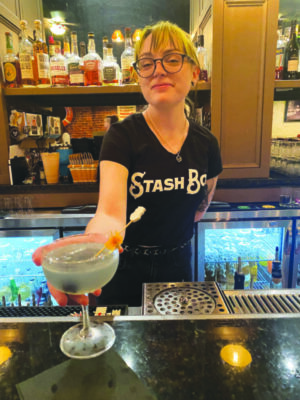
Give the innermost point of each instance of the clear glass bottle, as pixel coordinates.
(76, 73)
(59, 69)
(111, 69)
(202, 57)
(41, 57)
(67, 52)
(11, 65)
(127, 58)
(92, 64)
(26, 58)
(104, 46)
(291, 56)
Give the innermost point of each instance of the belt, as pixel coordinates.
(152, 251)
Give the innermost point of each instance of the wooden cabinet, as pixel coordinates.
(12, 11)
(242, 84)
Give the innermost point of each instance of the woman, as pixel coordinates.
(159, 160)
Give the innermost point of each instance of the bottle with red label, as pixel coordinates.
(58, 69)
(11, 64)
(92, 64)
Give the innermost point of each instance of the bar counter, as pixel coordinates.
(163, 358)
(230, 190)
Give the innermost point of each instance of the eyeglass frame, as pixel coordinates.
(183, 56)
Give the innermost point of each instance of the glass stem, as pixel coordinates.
(85, 331)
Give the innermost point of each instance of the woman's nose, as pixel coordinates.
(159, 69)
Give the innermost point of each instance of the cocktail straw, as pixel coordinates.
(134, 217)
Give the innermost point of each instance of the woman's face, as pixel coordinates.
(162, 88)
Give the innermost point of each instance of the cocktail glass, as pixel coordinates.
(76, 269)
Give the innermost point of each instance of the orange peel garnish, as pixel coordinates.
(114, 241)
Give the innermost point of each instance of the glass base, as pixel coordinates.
(99, 339)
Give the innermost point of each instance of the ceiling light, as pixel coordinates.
(117, 36)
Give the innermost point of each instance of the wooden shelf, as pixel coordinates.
(90, 90)
(287, 84)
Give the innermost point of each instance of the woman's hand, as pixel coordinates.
(37, 257)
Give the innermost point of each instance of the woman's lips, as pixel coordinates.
(161, 85)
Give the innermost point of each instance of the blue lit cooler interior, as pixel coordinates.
(255, 246)
(18, 273)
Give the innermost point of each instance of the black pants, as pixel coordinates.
(134, 270)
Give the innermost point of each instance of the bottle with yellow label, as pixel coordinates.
(11, 65)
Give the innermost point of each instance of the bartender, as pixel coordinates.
(160, 160)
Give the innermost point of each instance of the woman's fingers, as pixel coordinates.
(80, 299)
(60, 297)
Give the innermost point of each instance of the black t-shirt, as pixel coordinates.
(170, 190)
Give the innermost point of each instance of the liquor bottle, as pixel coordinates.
(111, 69)
(66, 52)
(51, 46)
(202, 57)
(41, 57)
(127, 58)
(92, 64)
(239, 277)
(276, 279)
(279, 56)
(11, 65)
(59, 69)
(75, 69)
(291, 57)
(104, 46)
(26, 58)
(82, 49)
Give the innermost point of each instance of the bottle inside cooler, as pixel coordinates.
(255, 248)
(21, 281)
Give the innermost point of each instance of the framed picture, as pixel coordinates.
(292, 111)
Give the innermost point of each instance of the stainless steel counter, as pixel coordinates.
(56, 219)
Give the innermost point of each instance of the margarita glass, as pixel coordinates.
(80, 268)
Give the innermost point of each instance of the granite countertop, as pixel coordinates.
(167, 359)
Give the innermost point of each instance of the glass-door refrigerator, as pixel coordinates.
(21, 281)
(223, 245)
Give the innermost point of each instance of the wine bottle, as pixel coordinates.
(291, 58)
(276, 280)
(239, 277)
(279, 56)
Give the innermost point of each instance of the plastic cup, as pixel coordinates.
(51, 166)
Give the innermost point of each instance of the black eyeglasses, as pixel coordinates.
(171, 63)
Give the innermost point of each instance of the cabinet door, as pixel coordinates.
(244, 46)
(31, 10)
(10, 10)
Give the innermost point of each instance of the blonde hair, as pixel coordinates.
(165, 33)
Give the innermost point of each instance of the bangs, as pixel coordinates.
(164, 35)
(164, 38)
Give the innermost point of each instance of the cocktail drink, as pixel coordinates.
(78, 269)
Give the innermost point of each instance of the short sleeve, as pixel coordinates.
(116, 146)
(214, 160)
